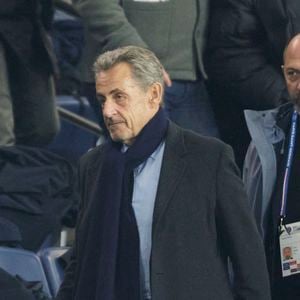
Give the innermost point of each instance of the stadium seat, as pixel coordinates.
(54, 270)
(24, 263)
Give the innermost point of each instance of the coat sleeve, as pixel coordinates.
(66, 290)
(108, 24)
(238, 233)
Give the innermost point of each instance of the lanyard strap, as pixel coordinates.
(291, 149)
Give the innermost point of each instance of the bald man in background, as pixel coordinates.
(271, 175)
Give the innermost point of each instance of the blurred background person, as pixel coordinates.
(176, 32)
(271, 176)
(246, 43)
(27, 108)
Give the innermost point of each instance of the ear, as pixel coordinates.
(156, 94)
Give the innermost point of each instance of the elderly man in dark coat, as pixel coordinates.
(162, 207)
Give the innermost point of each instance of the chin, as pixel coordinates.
(296, 102)
(115, 138)
(122, 138)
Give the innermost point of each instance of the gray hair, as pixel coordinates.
(145, 66)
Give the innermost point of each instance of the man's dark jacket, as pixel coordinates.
(246, 43)
(23, 30)
(201, 216)
(247, 39)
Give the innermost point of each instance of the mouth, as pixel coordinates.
(114, 123)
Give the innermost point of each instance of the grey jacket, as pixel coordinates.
(175, 30)
(260, 166)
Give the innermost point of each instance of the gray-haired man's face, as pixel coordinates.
(126, 107)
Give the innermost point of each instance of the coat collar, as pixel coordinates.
(284, 116)
(268, 124)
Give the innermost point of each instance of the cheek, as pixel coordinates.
(140, 117)
(132, 114)
(290, 87)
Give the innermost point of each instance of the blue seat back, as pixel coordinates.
(24, 263)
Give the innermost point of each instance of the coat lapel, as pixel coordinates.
(173, 168)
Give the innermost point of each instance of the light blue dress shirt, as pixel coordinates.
(146, 177)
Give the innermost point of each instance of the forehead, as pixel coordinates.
(292, 55)
(118, 75)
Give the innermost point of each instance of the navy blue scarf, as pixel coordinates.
(110, 266)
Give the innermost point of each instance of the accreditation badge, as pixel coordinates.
(289, 240)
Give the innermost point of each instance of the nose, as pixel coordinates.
(108, 108)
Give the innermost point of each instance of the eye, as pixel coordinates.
(293, 74)
(119, 97)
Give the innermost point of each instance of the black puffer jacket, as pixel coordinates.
(247, 39)
(245, 47)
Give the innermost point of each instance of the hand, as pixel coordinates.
(167, 78)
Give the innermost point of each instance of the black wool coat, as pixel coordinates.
(201, 217)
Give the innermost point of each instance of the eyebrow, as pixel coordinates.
(117, 90)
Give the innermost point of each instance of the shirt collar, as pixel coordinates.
(153, 156)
